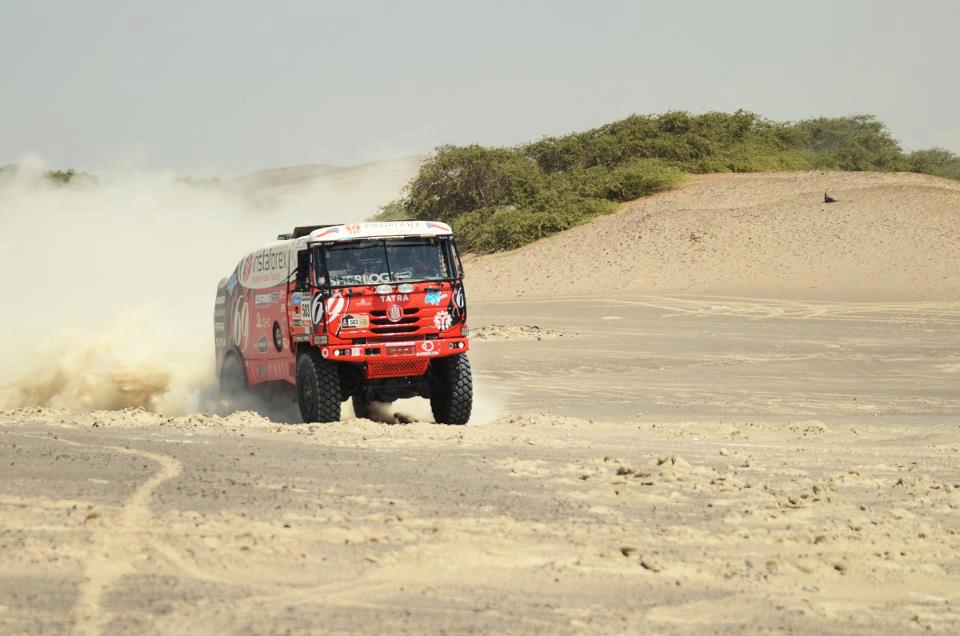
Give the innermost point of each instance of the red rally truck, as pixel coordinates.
(365, 311)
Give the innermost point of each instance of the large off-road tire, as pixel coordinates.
(361, 406)
(451, 396)
(233, 376)
(318, 388)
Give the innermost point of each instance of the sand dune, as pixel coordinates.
(889, 236)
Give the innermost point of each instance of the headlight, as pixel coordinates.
(320, 340)
(384, 289)
(405, 288)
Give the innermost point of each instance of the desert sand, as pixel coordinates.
(888, 237)
(755, 431)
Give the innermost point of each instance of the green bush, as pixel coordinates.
(461, 179)
(57, 177)
(506, 228)
(695, 143)
(638, 178)
(936, 161)
(860, 142)
(502, 198)
(61, 176)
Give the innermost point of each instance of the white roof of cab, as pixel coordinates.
(383, 229)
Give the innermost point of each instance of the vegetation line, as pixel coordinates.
(503, 198)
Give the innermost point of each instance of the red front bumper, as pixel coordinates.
(408, 358)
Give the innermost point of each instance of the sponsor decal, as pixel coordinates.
(219, 312)
(442, 320)
(394, 313)
(372, 228)
(369, 278)
(301, 338)
(220, 343)
(269, 260)
(395, 298)
(428, 346)
(434, 297)
(295, 298)
(355, 322)
(325, 352)
(278, 340)
(266, 299)
(262, 344)
(265, 268)
(241, 323)
(458, 305)
(261, 321)
(232, 281)
(221, 300)
(374, 277)
(328, 231)
(334, 305)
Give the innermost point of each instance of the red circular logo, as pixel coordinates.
(394, 313)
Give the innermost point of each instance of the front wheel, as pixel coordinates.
(451, 393)
(361, 406)
(318, 388)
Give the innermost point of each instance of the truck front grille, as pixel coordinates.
(394, 329)
(397, 368)
(408, 324)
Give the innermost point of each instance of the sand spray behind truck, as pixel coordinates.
(107, 284)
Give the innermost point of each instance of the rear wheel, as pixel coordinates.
(318, 388)
(361, 406)
(451, 393)
(233, 377)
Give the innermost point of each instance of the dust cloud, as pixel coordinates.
(109, 282)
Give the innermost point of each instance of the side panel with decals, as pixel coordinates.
(253, 320)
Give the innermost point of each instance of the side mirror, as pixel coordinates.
(303, 270)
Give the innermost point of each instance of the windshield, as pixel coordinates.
(390, 261)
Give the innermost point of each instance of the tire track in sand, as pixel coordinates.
(115, 546)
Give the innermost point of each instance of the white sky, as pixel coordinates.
(227, 87)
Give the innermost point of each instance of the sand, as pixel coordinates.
(888, 237)
(728, 455)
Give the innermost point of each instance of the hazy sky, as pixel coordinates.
(226, 87)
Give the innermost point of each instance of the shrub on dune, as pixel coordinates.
(502, 198)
